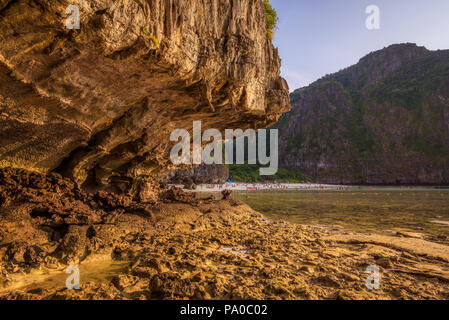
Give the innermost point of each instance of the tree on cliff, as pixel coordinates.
(272, 18)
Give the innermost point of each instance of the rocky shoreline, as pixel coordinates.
(188, 248)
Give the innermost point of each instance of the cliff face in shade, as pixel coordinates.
(384, 120)
(98, 104)
(203, 174)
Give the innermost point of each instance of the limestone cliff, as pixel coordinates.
(98, 104)
(384, 120)
(203, 174)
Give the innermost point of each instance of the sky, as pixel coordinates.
(319, 37)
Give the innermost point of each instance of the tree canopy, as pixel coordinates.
(272, 18)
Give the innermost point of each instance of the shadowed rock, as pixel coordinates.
(98, 104)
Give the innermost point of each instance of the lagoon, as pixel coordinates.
(365, 210)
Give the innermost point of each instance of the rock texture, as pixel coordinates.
(188, 248)
(213, 174)
(86, 117)
(98, 104)
(384, 120)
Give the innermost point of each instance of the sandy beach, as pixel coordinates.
(264, 186)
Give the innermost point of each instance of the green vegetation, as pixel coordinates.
(272, 18)
(295, 95)
(357, 132)
(145, 30)
(154, 39)
(426, 144)
(363, 120)
(250, 173)
(412, 87)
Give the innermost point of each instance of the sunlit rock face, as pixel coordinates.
(98, 104)
(384, 120)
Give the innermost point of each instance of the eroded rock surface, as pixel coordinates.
(191, 248)
(86, 117)
(98, 104)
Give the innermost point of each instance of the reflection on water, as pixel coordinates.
(360, 210)
(95, 271)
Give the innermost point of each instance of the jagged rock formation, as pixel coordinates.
(384, 120)
(98, 104)
(187, 248)
(214, 174)
(86, 115)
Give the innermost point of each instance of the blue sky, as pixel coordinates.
(317, 37)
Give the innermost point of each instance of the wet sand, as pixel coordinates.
(225, 250)
(188, 247)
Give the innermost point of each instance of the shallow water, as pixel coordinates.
(359, 210)
(101, 271)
